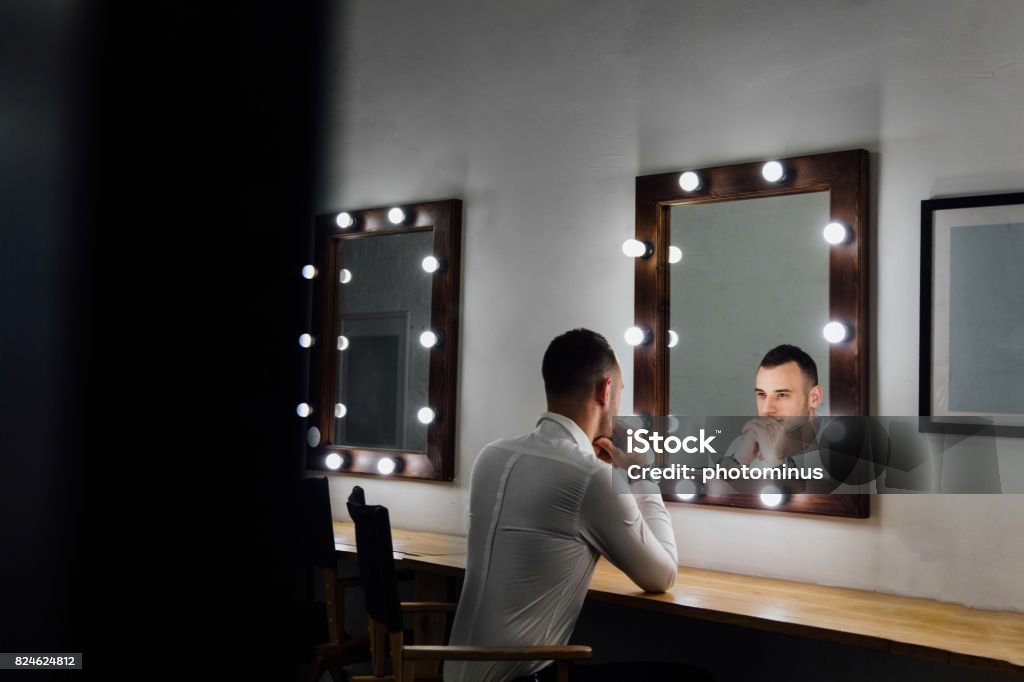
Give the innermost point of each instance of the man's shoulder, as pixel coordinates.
(561, 451)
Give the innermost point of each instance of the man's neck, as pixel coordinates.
(588, 420)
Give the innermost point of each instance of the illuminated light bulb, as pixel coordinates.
(671, 424)
(340, 410)
(634, 248)
(426, 415)
(635, 336)
(835, 233)
(342, 342)
(675, 254)
(303, 410)
(431, 264)
(345, 276)
(305, 340)
(313, 437)
(387, 465)
(333, 461)
(689, 181)
(396, 216)
(772, 171)
(673, 339)
(686, 490)
(834, 332)
(308, 271)
(344, 220)
(428, 339)
(772, 496)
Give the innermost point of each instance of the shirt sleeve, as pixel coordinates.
(634, 532)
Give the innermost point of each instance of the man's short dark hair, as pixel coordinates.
(575, 361)
(780, 355)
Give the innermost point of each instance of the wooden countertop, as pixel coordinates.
(935, 630)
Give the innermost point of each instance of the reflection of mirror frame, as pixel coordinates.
(845, 176)
(445, 219)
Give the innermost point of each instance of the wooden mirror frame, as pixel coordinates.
(844, 175)
(444, 218)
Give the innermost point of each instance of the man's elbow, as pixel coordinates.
(659, 582)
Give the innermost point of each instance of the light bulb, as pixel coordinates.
(675, 254)
(308, 271)
(344, 220)
(772, 496)
(635, 248)
(635, 336)
(396, 216)
(772, 171)
(386, 465)
(340, 410)
(313, 436)
(345, 276)
(342, 342)
(303, 410)
(431, 264)
(305, 340)
(333, 461)
(673, 339)
(689, 181)
(428, 339)
(835, 233)
(426, 415)
(834, 332)
(686, 490)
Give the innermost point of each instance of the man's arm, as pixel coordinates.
(633, 531)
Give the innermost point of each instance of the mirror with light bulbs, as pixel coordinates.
(731, 261)
(384, 343)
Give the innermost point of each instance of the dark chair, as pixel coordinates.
(316, 537)
(384, 609)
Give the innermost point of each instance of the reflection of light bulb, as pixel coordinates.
(431, 264)
(396, 216)
(671, 424)
(689, 181)
(386, 465)
(675, 254)
(340, 410)
(635, 336)
(772, 171)
(333, 461)
(342, 342)
(673, 339)
(426, 415)
(303, 410)
(835, 233)
(428, 339)
(305, 340)
(308, 271)
(772, 496)
(686, 490)
(344, 220)
(313, 437)
(834, 332)
(634, 248)
(345, 276)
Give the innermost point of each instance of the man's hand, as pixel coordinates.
(745, 450)
(618, 458)
(771, 438)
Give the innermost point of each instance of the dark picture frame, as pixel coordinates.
(943, 376)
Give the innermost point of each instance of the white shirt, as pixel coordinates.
(541, 512)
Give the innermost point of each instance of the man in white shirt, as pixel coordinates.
(542, 511)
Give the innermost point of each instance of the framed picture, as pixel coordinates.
(972, 315)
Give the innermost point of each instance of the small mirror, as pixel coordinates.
(385, 340)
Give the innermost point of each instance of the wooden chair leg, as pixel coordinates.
(378, 653)
(397, 646)
(408, 671)
(562, 671)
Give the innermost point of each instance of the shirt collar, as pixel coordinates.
(571, 427)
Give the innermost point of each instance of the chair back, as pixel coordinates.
(376, 560)
(315, 525)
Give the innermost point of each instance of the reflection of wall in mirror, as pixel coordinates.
(754, 274)
(388, 279)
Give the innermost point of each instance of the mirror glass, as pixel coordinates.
(383, 371)
(754, 274)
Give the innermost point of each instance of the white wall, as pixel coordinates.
(540, 114)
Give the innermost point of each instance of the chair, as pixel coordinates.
(384, 610)
(316, 536)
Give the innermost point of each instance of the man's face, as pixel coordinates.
(785, 391)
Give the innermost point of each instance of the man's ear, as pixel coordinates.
(603, 391)
(814, 397)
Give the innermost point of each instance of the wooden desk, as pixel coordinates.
(993, 640)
